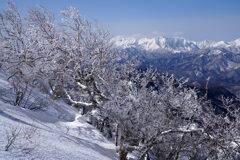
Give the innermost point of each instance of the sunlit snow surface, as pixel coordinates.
(62, 134)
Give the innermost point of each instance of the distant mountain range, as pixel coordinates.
(174, 45)
(198, 61)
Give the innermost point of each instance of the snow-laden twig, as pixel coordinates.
(77, 102)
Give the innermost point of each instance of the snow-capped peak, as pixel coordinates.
(236, 42)
(148, 43)
(124, 42)
(221, 44)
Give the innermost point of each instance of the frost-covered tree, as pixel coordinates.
(80, 56)
(160, 115)
(67, 58)
(146, 113)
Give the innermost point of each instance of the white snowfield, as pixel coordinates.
(57, 133)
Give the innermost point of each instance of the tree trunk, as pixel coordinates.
(122, 154)
(116, 136)
(174, 154)
(122, 151)
(144, 156)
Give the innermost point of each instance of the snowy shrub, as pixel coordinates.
(11, 137)
(22, 95)
(21, 140)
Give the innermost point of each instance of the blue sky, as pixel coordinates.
(192, 19)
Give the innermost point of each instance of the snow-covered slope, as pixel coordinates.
(58, 132)
(174, 45)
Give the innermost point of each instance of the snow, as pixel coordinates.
(236, 42)
(78, 102)
(215, 52)
(82, 86)
(232, 65)
(124, 42)
(61, 133)
(148, 44)
(221, 44)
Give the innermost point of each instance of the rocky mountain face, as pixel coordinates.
(218, 62)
